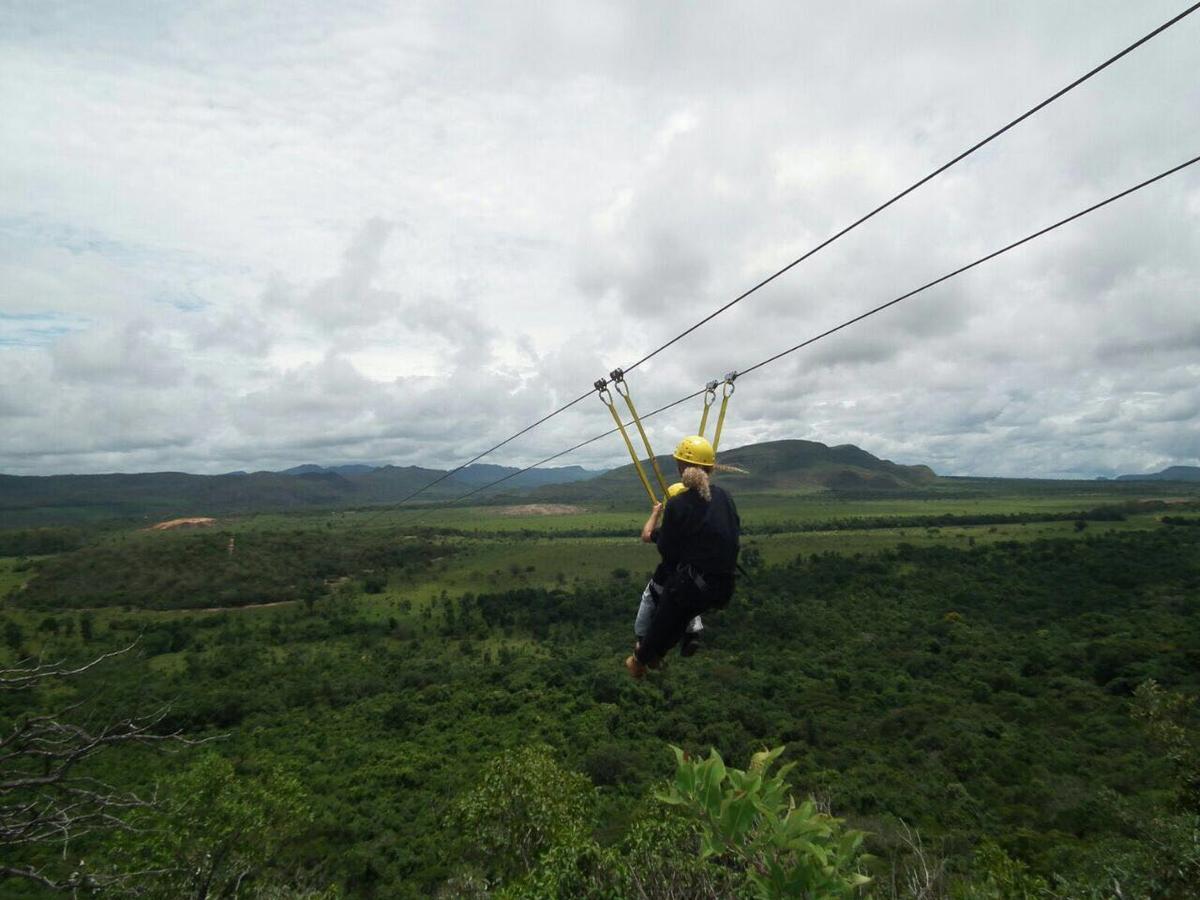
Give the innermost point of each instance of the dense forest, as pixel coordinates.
(973, 712)
(205, 570)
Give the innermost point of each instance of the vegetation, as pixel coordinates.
(790, 468)
(986, 710)
(214, 569)
(39, 541)
(784, 850)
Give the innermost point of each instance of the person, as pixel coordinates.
(654, 587)
(698, 543)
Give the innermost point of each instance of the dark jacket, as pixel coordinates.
(662, 571)
(701, 534)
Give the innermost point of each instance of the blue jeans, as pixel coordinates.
(685, 596)
(646, 610)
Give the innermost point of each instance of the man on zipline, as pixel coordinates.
(653, 591)
(698, 543)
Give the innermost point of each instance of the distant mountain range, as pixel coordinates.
(37, 500)
(310, 469)
(1174, 473)
(771, 466)
(475, 474)
(790, 465)
(482, 473)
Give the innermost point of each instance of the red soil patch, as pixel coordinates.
(197, 522)
(540, 509)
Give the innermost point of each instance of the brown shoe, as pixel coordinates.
(637, 647)
(635, 668)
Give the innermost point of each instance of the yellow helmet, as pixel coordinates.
(695, 450)
(676, 489)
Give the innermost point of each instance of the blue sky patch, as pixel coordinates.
(37, 329)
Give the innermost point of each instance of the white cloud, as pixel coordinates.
(250, 238)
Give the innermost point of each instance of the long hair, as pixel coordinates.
(696, 479)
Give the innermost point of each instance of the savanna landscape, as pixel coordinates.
(339, 562)
(980, 684)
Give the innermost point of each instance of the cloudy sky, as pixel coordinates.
(246, 236)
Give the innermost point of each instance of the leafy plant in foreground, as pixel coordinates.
(749, 817)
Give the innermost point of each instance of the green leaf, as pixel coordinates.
(717, 763)
(761, 761)
(685, 779)
(737, 818)
(712, 774)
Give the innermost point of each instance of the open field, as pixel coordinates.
(496, 564)
(494, 549)
(487, 549)
(757, 510)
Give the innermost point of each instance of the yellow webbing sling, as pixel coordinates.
(710, 394)
(726, 393)
(622, 388)
(606, 399)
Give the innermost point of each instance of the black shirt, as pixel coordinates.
(701, 534)
(662, 571)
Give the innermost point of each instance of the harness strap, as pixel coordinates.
(622, 388)
(726, 393)
(691, 572)
(710, 394)
(606, 399)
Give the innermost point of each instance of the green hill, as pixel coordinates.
(1174, 473)
(42, 500)
(773, 466)
(790, 465)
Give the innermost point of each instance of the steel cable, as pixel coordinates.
(880, 308)
(908, 190)
(825, 243)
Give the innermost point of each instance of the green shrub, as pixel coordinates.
(524, 804)
(748, 818)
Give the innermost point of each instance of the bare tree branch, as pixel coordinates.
(45, 795)
(26, 675)
(80, 879)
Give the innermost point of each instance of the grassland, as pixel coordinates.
(757, 510)
(499, 548)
